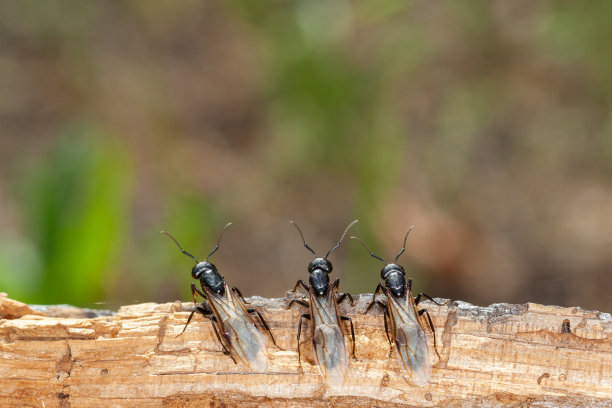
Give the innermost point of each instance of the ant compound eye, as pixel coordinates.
(391, 268)
(196, 272)
(201, 269)
(320, 263)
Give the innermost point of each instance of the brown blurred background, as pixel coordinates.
(487, 125)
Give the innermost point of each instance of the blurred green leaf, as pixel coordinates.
(75, 206)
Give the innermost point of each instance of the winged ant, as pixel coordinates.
(326, 329)
(233, 323)
(402, 317)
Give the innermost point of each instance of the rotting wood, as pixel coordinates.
(491, 356)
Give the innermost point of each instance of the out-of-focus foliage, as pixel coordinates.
(487, 125)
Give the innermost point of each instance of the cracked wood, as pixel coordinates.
(491, 356)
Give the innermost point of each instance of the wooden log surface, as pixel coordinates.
(500, 355)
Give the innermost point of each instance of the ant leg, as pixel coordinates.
(237, 291)
(299, 302)
(409, 284)
(386, 311)
(426, 296)
(306, 315)
(335, 285)
(387, 332)
(384, 307)
(205, 312)
(424, 311)
(352, 331)
(194, 290)
(300, 283)
(214, 322)
(376, 292)
(187, 324)
(344, 296)
(265, 325)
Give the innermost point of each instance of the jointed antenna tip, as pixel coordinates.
(180, 247)
(303, 239)
(403, 247)
(218, 241)
(341, 238)
(372, 254)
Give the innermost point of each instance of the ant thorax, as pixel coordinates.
(212, 280)
(319, 281)
(396, 282)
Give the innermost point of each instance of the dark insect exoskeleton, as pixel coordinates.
(326, 328)
(231, 320)
(403, 319)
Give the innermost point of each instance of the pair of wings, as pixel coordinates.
(409, 337)
(239, 331)
(328, 338)
(250, 345)
(406, 328)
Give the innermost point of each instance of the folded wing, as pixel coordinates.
(410, 340)
(411, 346)
(331, 353)
(240, 331)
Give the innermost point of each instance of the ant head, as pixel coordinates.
(320, 263)
(319, 268)
(205, 271)
(389, 268)
(392, 273)
(201, 268)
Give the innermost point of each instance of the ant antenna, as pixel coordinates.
(404, 247)
(180, 247)
(218, 241)
(369, 250)
(302, 235)
(341, 238)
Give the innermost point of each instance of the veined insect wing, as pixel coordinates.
(246, 341)
(330, 350)
(410, 340)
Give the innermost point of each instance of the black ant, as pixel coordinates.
(227, 313)
(326, 331)
(405, 320)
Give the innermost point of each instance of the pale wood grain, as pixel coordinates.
(490, 356)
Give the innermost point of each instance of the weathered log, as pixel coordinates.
(500, 355)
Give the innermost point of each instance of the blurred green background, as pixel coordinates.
(486, 124)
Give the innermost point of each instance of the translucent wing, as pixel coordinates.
(248, 343)
(240, 331)
(328, 339)
(410, 339)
